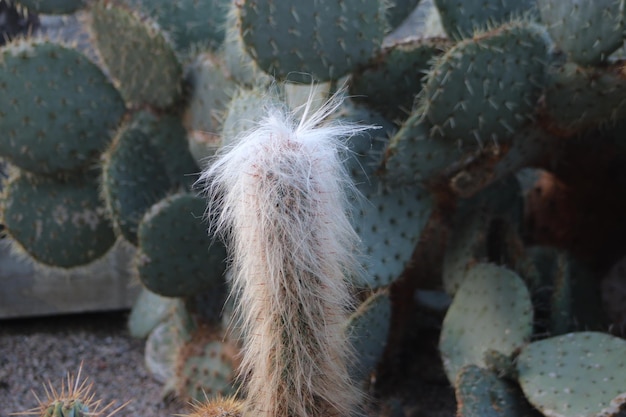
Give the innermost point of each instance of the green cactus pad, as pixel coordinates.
(389, 221)
(368, 328)
(390, 82)
(176, 257)
(398, 10)
(479, 231)
(133, 175)
(242, 68)
(490, 310)
(575, 375)
(587, 31)
(564, 291)
(244, 111)
(205, 366)
(168, 136)
(486, 88)
(148, 311)
(57, 223)
(579, 98)
(53, 6)
(208, 306)
(211, 91)
(164, 342)
(137, 54)
(480, 393)
(461, 18)
(188, 22)
(162, 345)
(58, 108)
(324, 39)
(413, 156)
(467, 245)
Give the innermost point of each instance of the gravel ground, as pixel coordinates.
(411, 383)
(33, 351)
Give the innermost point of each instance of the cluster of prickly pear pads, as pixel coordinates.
(492, 103)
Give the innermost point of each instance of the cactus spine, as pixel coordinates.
(279, 194)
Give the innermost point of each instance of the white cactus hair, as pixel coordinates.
(280, 197)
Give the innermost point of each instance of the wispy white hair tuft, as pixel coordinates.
(280, 196)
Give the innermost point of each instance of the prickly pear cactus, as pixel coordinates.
(206, 366)
(480, 393)
(188, 22)
(515, 84)
(392, 79)
(389, 221)
(490, 310)
(368, 328)
(339, 35)
(133, 175)
(57, 107)
(462, 18)
(176, 257)
(587, 31)
(413, 155)
(137, 54)
(61, 223)
(576, 374)
(462, 104)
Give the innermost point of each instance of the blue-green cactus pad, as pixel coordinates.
(471, 227)
(389, 220)
(242, 68)
(188, 22)
(368, 328)
(390, 82)
(138, 55)
(587, 31)
(133, 175)
(575, 375)
(57, 108)
(205, 366)
(481, 393)
(211, 90)
(461, 18)
(578, 98)
(413, 156)
(57, 223)
(148, 311)
(398, 10)
(246, 108)
(176, 256)
(486, 88)
(324, 38)
(491, 310)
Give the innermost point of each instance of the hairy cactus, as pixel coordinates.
(279, 197)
